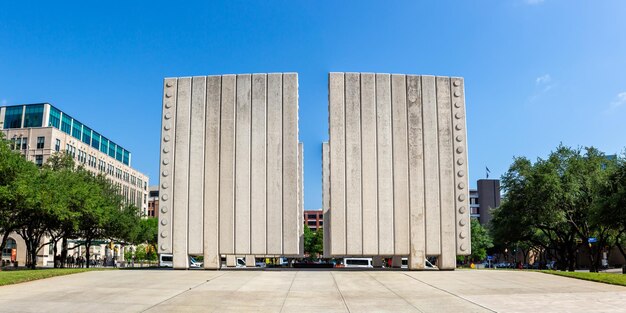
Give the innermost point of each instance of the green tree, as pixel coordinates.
(313, 242)
(14, 169)
(553, 204)
(611, 205)
(481, 241)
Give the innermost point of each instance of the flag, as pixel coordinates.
(488, 171)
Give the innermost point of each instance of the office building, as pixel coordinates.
(40, 130)
(484, 199)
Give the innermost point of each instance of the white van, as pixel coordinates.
(358, 262)
(166, 260)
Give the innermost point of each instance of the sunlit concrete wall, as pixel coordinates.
(229, 167)
(395, 170)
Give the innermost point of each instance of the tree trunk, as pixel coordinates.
(63, 251)
(54, 250)
(87, 256)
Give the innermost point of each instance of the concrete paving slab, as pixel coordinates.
(311, 291)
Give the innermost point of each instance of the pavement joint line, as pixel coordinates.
(340, 293)
(219, 304)
(399, 296)
(180, 293)
(282, 307)
(450, 293)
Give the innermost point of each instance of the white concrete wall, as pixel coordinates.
(231, 169)
(395, 175)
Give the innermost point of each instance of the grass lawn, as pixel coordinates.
(20, 276)
(614, 279)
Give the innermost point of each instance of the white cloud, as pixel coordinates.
(543, 80)
(533, 2)
(620, 100)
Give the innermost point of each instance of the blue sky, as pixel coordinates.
(537, 72)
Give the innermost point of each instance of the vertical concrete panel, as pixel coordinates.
(212, 258)
(337, 162)
(301, 197)
(181, 174)
(400, 165)
(290, 164)
(326, 197)
(196, 164)
(170, 85)
(354, 219)
(385, 165)
(227, 166)
(242, 163)
(463, 233)
(274, 164)
(447, 260)
(417, 251)
(258, 165)
(431, 166)
(369, 164)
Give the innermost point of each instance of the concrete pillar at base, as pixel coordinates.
(377, 261)
(396, 262)
(250, 261)
(231, 261)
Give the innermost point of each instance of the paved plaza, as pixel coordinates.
(311, 291)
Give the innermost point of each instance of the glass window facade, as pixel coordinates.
(95, 140)
(86, 135)
(77, 129)
(55, 118)
(119, 154)
(66, 124)
(126, 157)
(13, 117)
(104, 145)
(112, 148)
(33, 117)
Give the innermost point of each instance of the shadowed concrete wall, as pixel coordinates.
(230, 170)
(395, 174)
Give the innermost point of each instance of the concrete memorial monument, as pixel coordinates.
(395, 168)
(231, 179)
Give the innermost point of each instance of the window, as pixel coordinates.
(87, 135)
(24, 143)
(312, 216)
(95, 140)
(77, 128)
(39, 160)
(112, 147)
(104, 145)
(57, 145)
(13, 117)
(6, 252)
(55, 117)
(119, 154)
(33, 117)
(71, 150)
(40, 142)
(126, 157)
(66, 124)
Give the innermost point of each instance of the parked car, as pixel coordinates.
(358, 262)
(167, 260)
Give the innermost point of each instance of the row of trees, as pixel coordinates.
(574, 200)
(59, 201)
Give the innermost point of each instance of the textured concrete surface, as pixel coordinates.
(311, 291)
(398, 182)
(230, 155)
